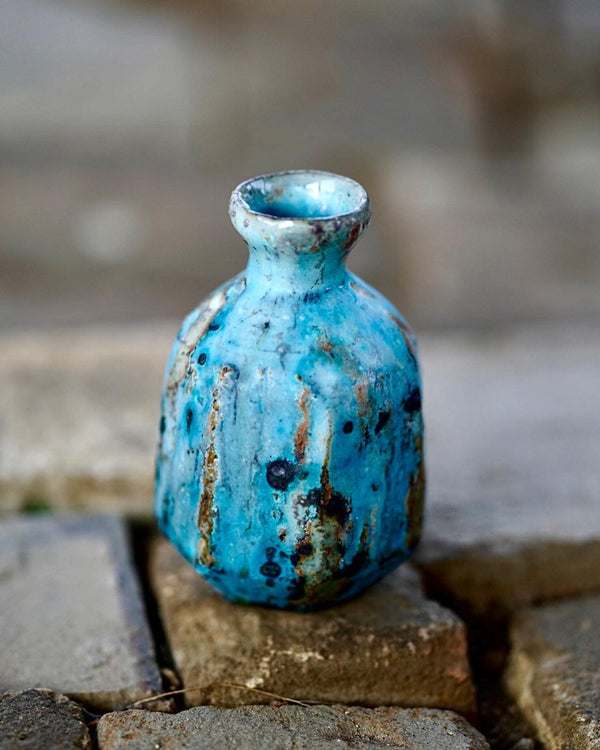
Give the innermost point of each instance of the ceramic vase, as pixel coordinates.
(290, 460)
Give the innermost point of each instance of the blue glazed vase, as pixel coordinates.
(290, 461)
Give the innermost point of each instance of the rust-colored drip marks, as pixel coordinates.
(205, 512)
(327, 534)
(365, 408)
(414, 504)
(302, 433)
(353, 236)
(210, 474)
(328, 509)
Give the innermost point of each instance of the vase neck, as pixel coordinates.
(299, 227)
(271, 265)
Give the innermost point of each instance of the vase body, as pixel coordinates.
(290, 461)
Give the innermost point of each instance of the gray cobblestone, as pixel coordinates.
(290, 728)
(71, 615)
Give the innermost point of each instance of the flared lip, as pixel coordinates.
(360, 212)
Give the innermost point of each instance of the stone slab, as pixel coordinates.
(390, 646)
(289, 727)
(35, 719)
(513, 461)
(79, 417)
(71, 614)
(554, 671)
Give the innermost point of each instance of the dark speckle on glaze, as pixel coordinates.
(412, 403)
(382, 420)
(280, 473)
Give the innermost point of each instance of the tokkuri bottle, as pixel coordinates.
(290, 462)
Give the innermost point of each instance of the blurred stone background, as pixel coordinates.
(474, 125)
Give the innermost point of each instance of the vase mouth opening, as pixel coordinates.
(302, 195)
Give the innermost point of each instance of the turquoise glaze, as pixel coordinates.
(290, 462)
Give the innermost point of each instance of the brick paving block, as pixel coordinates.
(290, 727)
(513, 460)
(35, 719)
(390, 646)
(71, 614)
(554, 672)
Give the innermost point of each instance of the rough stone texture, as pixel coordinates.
(290, 727)
(513, 466)
(35, 719)
(388, 647)
(71, 616)
(554, 672)
(79, 417)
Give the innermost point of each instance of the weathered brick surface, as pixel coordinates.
(289, 727)
(41, 719)
(554, 672)
(390, 646)
(71, 615)
(513, 466)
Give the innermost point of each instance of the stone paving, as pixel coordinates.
(36, 719)
(389, 646)
(512, 530)
(71, 613)
(554, 671)
(513, 467)
(79, 418)
(290, 727)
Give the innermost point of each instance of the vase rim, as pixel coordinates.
(301, 196)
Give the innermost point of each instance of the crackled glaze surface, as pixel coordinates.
(290, 462)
